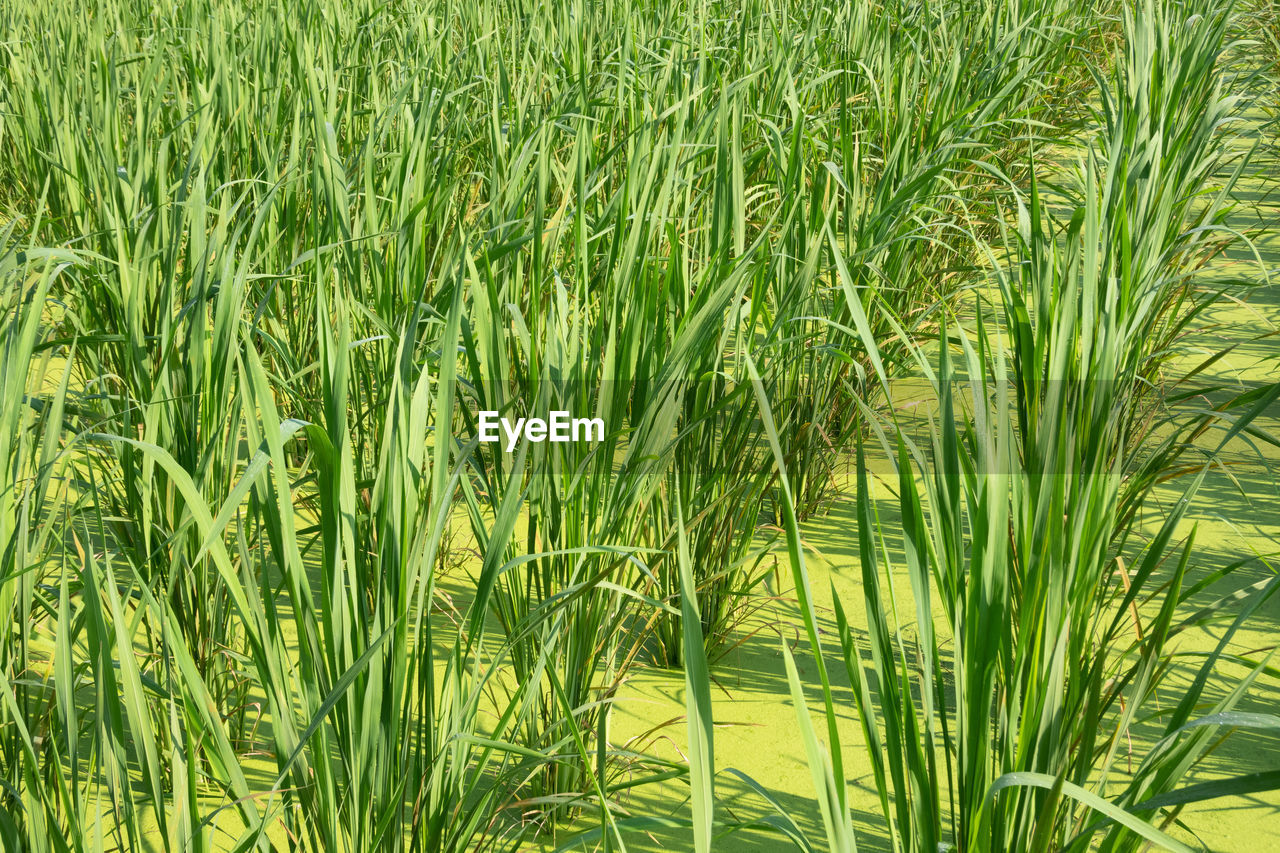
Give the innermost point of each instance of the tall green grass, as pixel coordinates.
(262, 588)
(1042, 619)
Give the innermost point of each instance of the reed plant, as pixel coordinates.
(262, 264)
(1041, 617)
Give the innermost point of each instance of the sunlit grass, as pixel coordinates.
(266, 263)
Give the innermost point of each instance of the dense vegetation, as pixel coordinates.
(263, 264)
